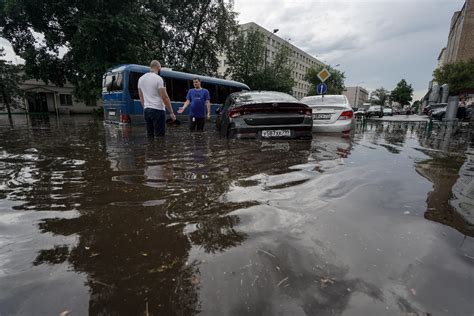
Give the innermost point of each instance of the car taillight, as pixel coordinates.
(234, 113)
(346, 115)
(308, 112)
(125, 118)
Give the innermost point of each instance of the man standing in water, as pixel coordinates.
(199, 99)
(154, 99)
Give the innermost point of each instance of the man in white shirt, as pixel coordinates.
(154, 99)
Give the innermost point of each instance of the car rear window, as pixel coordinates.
(262, 97)
(327, 100)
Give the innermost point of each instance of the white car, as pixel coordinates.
(387, 111)
(331, 113)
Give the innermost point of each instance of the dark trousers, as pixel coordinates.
(155, 122)
(196, 123)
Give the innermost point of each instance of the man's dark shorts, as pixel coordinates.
(196, 124)
(155, 122)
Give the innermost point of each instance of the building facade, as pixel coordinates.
(461, 34)
(300, 60)
(460, 47)
(357, 96)
(40, 97)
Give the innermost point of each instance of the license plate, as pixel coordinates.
(111, 113)
(276, 133)
(322, 116)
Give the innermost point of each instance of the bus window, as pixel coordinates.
(222, 93)
(180, 90)
(133, 84)
(169, 87)
(235, 89)
(212, 88)
(113, 82)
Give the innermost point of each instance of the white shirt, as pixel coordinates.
(150, 85)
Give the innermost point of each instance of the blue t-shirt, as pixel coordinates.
(198, 98)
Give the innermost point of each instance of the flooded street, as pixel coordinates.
(97, 220)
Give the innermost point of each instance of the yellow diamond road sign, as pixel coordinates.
(324, 74)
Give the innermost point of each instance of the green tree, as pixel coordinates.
(246, 58)
(379, 96)
(9, 83)
(249, 63)
(79, 40)
(416, 105)
(335, 83)
(402, 93)
(281, 69)
(459, 76)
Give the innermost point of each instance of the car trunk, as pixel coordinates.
(272, 113)
(327, 114)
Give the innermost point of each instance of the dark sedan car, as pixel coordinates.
(375, 110)
(264, 114)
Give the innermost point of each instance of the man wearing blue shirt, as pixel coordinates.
(199, 99)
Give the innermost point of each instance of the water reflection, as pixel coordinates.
(195, 223)
(144, 205)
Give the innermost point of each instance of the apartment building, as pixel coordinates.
(461, 34)
(357, 96)
(300, 60)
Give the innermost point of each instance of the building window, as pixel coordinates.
(65, 99)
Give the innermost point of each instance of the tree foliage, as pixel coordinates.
(78, 40)
(379, 96)
(9, 83)
(402, 93)
(459, 76)
(248, 62)
(335, 83)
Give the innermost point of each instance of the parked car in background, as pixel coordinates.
(331, 113)
(264, 114)
(438, 113)
(387, 111)
(361, 112)
(430, 107)
(375, 110)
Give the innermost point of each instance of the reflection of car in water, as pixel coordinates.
(264, 114)
(331, 113)
(331, 148)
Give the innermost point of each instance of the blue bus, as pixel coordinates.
(121, 101)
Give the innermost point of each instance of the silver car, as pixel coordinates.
(331, 113)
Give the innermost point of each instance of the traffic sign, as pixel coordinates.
(324, 74)
(322, 88)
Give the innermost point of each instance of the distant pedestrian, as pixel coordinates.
(199, 99)
(154, 99)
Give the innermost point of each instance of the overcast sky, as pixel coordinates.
(376, 42)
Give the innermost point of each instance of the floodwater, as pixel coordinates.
(97, 220)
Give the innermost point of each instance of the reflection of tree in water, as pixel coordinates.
(396, 133)
(136, 254)
(130, 259)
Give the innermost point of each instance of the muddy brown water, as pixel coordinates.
(98, 220)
